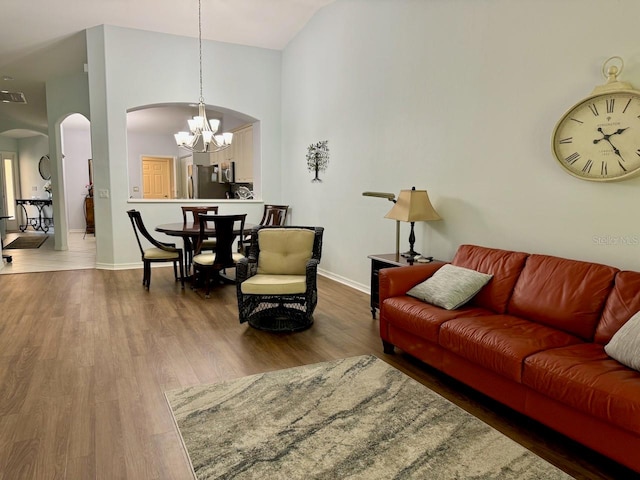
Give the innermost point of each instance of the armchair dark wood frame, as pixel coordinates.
(138, 226)
(282, 312)
(224, 257)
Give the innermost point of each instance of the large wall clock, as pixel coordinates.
(598, 139)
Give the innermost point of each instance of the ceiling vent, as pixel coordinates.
(12, 97)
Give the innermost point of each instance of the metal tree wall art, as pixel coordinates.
(318, 158)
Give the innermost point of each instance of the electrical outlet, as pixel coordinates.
(103, 193)
(136, 189)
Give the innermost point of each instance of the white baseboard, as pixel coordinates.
(345, 281)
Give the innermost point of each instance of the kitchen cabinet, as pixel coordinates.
(242, 154)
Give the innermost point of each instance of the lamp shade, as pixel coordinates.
(413, 206)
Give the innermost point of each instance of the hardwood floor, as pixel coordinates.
(85, 357)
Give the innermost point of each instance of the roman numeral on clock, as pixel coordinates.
(566, 140)
(603, 169)
(594, 109)
(621, 166)
(638, 152)
(573, 158)
(610, 103)
(626, 106)
(587, 166)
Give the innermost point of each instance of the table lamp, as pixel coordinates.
(413, 206)
(392, 198)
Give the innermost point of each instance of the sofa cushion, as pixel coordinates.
(622, 303)
(263, 284)
(625, 344)
(450, 287)
(504, 265)
(500, 343)
(285, 251)
(565, 294)
(420, 318)
(586, 378)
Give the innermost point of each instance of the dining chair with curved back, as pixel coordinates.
(193, 212)
(159, 252)
(274, 215)
(227, 229)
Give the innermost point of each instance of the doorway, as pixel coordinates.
(158, 180)
(10, 191)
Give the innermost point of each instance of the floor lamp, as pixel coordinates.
(392, 198)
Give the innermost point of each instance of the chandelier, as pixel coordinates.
(202, 135)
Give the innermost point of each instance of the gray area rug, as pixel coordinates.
(356, 418)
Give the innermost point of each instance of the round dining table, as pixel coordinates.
(189, 234)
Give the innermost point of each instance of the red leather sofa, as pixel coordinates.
(533, 338)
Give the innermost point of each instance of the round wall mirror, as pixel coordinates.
(44, 167)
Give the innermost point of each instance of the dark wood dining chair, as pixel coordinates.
(207, 266)
(274, 215)
(190, 213)
(159, 252)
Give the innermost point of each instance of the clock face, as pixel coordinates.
(599, 138)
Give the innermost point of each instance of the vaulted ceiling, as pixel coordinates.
(42, 39)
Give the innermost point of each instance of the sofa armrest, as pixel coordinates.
(397, 281)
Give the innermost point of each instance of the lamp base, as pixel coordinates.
(410, 254)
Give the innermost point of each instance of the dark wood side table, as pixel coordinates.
(88, 216)
(378, 261)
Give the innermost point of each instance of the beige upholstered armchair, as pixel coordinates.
(277, 282)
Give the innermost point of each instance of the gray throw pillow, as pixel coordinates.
(450, 287)
(624, 346)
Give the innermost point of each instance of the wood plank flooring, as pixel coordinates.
(85, 357)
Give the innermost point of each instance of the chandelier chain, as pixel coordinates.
(203, 136)
(200, 45)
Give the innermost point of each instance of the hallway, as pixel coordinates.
(81, 255)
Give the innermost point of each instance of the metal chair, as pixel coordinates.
(227, 228)
(160, 252)
(277, 283)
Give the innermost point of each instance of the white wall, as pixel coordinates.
(76, 146)
(459, 98)
(8, 144)
(30, 150)
(129, 68)
(65, 96)
(31, 183)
